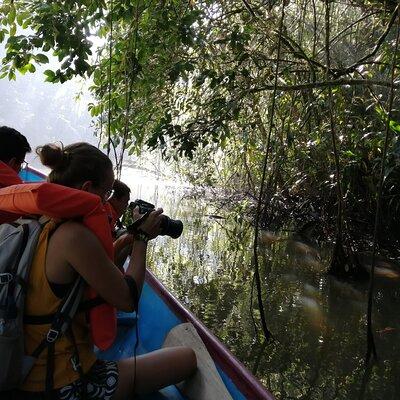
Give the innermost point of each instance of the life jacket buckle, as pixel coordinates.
(52, 335)
(76, 365)
(5, 278)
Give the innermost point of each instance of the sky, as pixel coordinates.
(46, 112)
(52, 112)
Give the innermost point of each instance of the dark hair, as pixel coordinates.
(74, 164)
(12, 144)
(120, 189)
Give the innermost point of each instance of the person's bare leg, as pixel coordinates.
(155, 370)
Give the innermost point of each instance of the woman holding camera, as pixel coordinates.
(69, 250)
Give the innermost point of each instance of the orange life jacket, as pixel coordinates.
(112, 216)
(58, 201)
(8, 177)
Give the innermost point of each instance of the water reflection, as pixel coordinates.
(318, 322)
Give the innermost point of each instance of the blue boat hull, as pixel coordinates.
(155, 320)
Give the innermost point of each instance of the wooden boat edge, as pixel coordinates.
(240, 375)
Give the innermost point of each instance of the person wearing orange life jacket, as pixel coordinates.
(13, 148)
(119, 201)
(116, 207)
(69, 250)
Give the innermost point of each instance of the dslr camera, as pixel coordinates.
(170, 227)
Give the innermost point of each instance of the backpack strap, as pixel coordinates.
(75, 361)
(10, 277)
(60, 324)
(63, 317)
(49, 383)
(84, 306)
(39, 319)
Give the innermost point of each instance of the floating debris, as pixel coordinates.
(347, 290)
(312, 291)
(388, 329)
(313, 311)
(307, 255)
(383, 272)
(290, 277)
(214, 216)
(268, 237)
(304, 248)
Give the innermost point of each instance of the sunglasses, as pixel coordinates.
(108, 194)
(24, 165)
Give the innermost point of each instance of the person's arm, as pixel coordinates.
(122, 249)
(81, 249)
(124, 240)
(137, 264)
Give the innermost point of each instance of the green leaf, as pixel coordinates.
(23, 70)
(49, 72)
(11, 75)
(121, 102)
(20, 19)
(394, 126)
(51, 76)
(41, 58)
(381, 112)
(11, 15)
(13, 30)
(349, 153)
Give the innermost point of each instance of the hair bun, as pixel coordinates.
(52, 156)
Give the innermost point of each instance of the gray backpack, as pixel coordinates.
(18, 242)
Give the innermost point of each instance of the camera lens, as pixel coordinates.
(171, 227)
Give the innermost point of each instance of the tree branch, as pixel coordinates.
(352, 67)
(249, 8)
(347, 28)
(324, 84)
(298, 52)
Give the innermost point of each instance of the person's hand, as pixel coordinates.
(135, 214)
(124, 240)
(151, 226)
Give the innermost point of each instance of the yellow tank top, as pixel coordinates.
(40, 300)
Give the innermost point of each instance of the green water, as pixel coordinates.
(319, 324)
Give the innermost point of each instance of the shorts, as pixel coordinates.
(100, 382)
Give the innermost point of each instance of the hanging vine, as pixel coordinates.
(371, 348)
(131, 71)
(261, 197)
(110, 48)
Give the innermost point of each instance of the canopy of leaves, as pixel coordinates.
(197, 79)
(197, 76)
